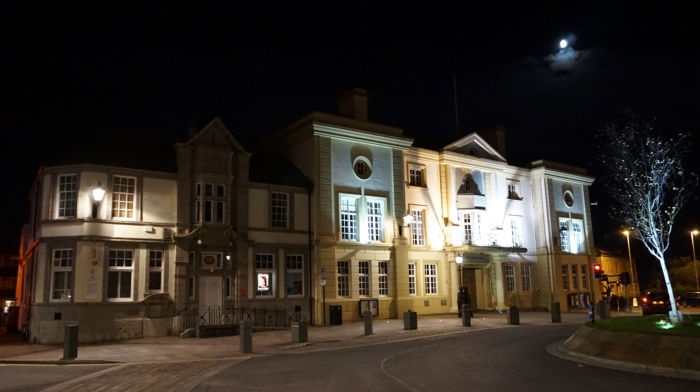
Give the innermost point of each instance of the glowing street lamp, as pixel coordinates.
(459, 259)
(695, 262)
(97, 194)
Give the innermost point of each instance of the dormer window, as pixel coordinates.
(514, 190)
(416, 175)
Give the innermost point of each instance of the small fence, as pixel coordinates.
(222, 315)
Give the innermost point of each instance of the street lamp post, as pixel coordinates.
(629, 255)
(695, 262)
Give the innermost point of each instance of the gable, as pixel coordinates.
(476, 146)
(216, 133)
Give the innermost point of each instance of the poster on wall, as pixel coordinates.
(264, 284)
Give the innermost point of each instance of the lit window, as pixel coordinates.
(383, 275)
(62, 274)
(348, 218)
(471, 224)
(516, 231)
(431, 279)
(363, 277)
(411, 279)
(343, 278)
(119, 274)
(417, 228)
(571, 235)
(264, 269)
(294, 279)
(123, 197)
(371, 213)
(375, 221)
(67, 196)
(155, 270)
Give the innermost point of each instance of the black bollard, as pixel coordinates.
(246, 336)
(466, 316)
(368, 322)
(70, 342)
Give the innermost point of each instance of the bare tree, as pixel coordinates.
(645, 179)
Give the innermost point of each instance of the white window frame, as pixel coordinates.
(343, 278)
(294, 264)
(124, 189)
(279, 210)
(472, 227)
(416, 175)
(431, 278)
(121, 263)
(362, 218)
(514, 190)
(571, 235)
(411, 279)
(62, 265)
(67, 196)
(418, 227)
(383, 278)
(210, 204)
(364, 281)
(516, 231)
(509, 276)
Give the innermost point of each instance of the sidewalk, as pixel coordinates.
(14, 350)
(350, 334)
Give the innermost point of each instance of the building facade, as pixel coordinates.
(324, 220)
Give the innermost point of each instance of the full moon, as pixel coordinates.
(563, 44)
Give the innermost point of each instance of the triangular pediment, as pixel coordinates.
(215, 132)
(474, 145)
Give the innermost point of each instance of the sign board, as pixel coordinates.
(323, 282)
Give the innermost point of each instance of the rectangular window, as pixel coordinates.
(574, 276)
(294, 279)
(191, 259)
(228, 288)
(514, 190)
(584, 277)
(67, 196)
(343, 278)
(363, 280)
(123, 197)
(516, 231)
(264, 269)
(431, 279)
(155, 270)
(348, 218)
(510, 278)
(417, 228)
(279, 210)
(62, 274)
(210, 203)
(416, 176)
(471, 224)
(375, 221)
(411, 279)
(571, 235)
(119, 274)
(383, 275)
(565, 276)
(370, 212)
(526, 277)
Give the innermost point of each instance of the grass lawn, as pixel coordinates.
(653, 324)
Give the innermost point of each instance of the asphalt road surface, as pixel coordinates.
(504, 359)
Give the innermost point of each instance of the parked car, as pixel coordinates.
(689, 299)
(655, 303)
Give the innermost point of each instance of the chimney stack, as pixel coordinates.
(353, 104)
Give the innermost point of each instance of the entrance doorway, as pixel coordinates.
(211, 299)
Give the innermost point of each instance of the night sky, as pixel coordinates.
(121, 85)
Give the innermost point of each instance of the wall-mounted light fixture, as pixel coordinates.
(407, 220)
(98, 193)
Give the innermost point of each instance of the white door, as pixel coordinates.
(211, 298)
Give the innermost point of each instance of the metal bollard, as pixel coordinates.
(556, 313)
(246, 336)
(410, 320)
(466, 316)
(70, 342)
(513, 316)
(299, 332)
(368, 322)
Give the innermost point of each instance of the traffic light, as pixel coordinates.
(625, 278)
(597, 271)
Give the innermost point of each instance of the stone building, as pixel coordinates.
(330, 217)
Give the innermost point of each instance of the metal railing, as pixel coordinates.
(224, 315)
